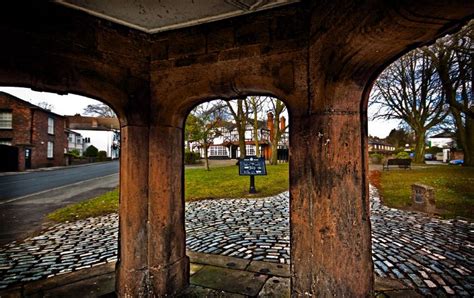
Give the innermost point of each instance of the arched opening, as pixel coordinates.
(414, 192)
(238, 237)
(58, 207)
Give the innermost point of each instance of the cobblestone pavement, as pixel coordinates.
(434, 256)
(256, 229)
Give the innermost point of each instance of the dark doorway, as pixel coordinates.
(27, 158)
(233, 150)
(282, 155)
(9, 158)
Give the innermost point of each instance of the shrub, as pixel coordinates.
(403, 155)
(91, 151)
(376, 158)
(191, 157)
(75, 153)
(102, 155)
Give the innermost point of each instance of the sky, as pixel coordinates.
(68, 104)
(71, 104)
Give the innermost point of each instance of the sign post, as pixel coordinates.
(252, 166)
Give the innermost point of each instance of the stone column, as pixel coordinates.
(132, 266)
(330, 227)
(167, 260)
(153, 259)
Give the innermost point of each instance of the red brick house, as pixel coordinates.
(30, 137)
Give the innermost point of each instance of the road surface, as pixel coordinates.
(27, 198)
(14, 186)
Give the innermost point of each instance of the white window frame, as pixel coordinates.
(50, 152)
(217, 151)
(50, 126)
(6, 120)
(250, 150)
(6, 142)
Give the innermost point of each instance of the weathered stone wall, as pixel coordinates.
(320, 57)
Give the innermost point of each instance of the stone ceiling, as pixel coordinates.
(154, 16)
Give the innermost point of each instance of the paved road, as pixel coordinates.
(23, 184)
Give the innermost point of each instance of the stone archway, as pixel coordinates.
(320, 56)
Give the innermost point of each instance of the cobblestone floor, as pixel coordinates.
(434, 256)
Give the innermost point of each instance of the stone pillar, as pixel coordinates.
(152, 258)
(167, 260)
(133, 276)
(330, 228)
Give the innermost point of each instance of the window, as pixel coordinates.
(5, 120)
(249, 150)
(50, 149)
(217, 151)
(6, 142)
(50, 126)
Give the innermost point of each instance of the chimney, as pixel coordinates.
(270, 124)
(282, 123)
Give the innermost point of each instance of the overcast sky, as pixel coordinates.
(71, 104)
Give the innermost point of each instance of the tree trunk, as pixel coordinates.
(255, 133)
(420, 147)
(206, 158)
(468, 146)
(242, 143)
(274, 159)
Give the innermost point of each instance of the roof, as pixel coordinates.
(444, 134)
(376, 140)
(27, 103)
(92, 123)
(158, 16)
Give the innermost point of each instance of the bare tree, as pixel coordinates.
(240, 114)
(278, 108)
(100, 110)
(202, 127)
(453, 58)
(255, 104)
(45, 105)
(410, 90)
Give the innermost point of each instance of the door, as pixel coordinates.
(27, 158)
(8, 158)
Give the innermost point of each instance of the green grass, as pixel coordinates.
(454, 188)
(225, 182)
(104, 204)
(219, 182)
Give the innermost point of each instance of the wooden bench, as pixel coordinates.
(401, 163)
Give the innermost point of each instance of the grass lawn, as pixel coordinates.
(104, 204)
(454, 188)
(219, 182)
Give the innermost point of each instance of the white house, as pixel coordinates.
(103, 133)
(442, 140)
(226, 144)
(74, 141)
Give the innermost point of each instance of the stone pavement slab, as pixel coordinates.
(229, 280)
(281, 270)
(276, 287)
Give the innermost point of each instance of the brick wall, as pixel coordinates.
(41, 138)
(30, 131)
(21, 121)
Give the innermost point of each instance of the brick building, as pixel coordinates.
(30, 137)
